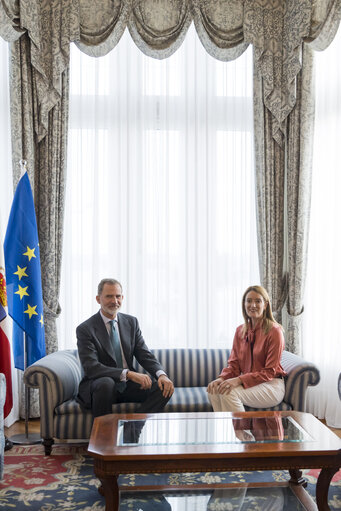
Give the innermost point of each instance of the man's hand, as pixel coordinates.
(165, 385)
(142, 379)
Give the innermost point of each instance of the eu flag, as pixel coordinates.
(23, 277)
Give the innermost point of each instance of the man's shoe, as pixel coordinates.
(8, 444)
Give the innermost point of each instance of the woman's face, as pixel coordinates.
(255, 305)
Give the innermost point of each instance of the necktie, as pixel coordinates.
(118, 354)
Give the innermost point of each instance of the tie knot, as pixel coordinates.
(112, 324)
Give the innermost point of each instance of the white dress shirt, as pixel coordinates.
(123, 376)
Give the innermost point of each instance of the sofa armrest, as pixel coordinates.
(300, 374)
(57, 377)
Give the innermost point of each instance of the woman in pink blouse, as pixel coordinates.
(254, 376)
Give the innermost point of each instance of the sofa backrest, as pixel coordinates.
(192, 367)
(185, 367)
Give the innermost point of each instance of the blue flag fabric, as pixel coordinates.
(23, 277)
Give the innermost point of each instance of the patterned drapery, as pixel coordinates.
(41, 32)
(46, 168)
(46, 158)
(299, 154)
(270, 201)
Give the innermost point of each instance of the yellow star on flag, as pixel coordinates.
(29, 253)
(31, 310)
(41, 320)
(21, 272)
(21, 291)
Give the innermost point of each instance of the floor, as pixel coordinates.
(34, 427)
(18, 428)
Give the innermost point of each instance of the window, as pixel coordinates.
(160, 192)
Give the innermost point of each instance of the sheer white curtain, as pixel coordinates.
(6, 187)
(322, 333)
(5, 140)
(160, 192)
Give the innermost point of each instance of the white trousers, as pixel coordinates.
(264, 395)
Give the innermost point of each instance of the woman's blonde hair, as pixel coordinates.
(268, 319)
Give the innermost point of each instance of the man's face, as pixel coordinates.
(110, 299)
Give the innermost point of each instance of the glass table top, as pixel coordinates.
(229, 499)
(209, 430)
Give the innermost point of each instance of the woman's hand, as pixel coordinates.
(226, 386)
(213, 387)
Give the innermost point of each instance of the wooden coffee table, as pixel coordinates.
(212, 442)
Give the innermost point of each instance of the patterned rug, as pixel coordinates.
(65, 481)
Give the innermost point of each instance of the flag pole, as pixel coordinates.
(27, 438)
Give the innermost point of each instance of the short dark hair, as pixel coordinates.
(112, 282)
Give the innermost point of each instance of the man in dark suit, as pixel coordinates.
(107, 343)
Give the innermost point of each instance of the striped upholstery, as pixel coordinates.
(2, 434)
(301, 374)
(57, 376)
(192, 367)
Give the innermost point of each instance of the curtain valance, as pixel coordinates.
(50, 27)
(225, 27)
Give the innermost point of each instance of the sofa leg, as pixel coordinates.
(48, 443)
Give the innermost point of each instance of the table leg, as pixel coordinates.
(296, 477)
(111, 493)
(322, 487)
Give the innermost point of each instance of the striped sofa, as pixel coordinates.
(2, 434)
(57, 377)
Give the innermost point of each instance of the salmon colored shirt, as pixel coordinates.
(257, 364)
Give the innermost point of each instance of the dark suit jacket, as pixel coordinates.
(97, 354)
